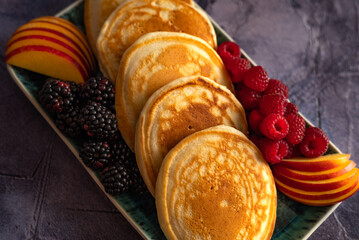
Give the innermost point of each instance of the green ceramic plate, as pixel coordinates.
(294, 220)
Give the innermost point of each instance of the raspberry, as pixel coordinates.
(248, 98)
(236, 69)
(293, 151)
(315, 143)
(274, 150)
(254, 120)
(291, 108)
(276, 87)
(256, 78)
(229, 51)
(274, 126)
(296, 128)
(272, 104)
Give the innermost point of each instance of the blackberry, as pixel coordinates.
(96, 154)
(58, 96)
(98, 122)
(139, 185)
(99, 89)
(116, 179)
(122, 153)
(67, 122)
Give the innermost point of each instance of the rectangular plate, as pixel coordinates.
(294, 220)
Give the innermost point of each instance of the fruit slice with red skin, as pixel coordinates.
(53, 34)
(320, 199)
(313, 176)
(59, 30)
(321, 163)
(70, 26)
(47, 61)
(319, 186)
(49, 42)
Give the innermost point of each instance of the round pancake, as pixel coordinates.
(154, 60)
(215, 184)
(95, 14)
(135, 18)
(178, 109)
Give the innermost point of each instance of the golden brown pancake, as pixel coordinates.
(178, 109)
(96, 12)
(138, 17)
(154, 60)
(215, 184)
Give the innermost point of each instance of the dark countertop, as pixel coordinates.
(312, 46)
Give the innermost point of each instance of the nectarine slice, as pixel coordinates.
(345, 186)
(47, 61)
(49, 42)
(58, 28)
(322, 163)
(319, 186)
(330, 200)
(53, 34)
(68, 25)
(314, 176)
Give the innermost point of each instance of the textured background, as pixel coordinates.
(312, 46)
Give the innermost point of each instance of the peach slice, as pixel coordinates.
(47, 61)
(313, 176)
(321, 199)
(322, 163)
(50, 34)
(68, 25)
(49, 42)
(319, 186)
(60, 30)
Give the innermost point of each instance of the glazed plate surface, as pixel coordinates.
(294, 220)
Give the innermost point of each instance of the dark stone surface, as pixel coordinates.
(312, 46)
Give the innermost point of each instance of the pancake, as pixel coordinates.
(215, 184)
(154, 60)
(138, 17)
(178, 109)
(95, 14)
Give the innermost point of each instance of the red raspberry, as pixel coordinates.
(254, 119)
(256, 78)
(293, 151)
(229, 51)
(248, 97)
(274, 150)
(274, 126)
(237, 68)
(291, 108)
(315, 142)
(272, 104)
(296, 128)
(276, 87)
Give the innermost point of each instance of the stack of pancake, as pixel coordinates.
(176, 110)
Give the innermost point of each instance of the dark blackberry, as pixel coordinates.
(122, 153)
(98, 122)
(67, 122)
(98, 89)
(139, 185)
(96, 155)
(116, 179)
(58, 96)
